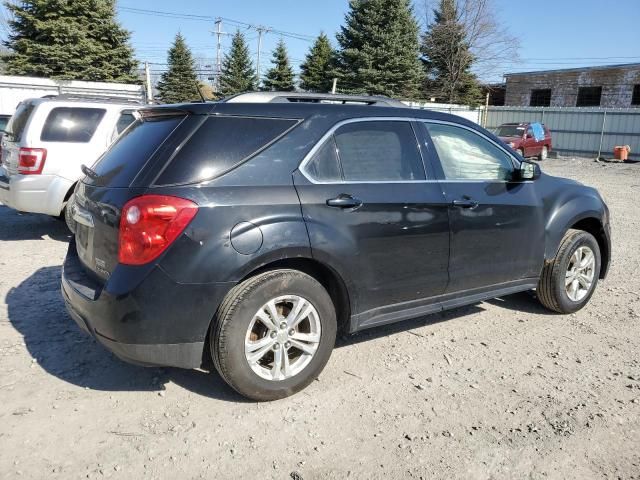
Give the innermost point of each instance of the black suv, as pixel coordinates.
(250, 233)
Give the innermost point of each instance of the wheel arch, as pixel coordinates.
(594, 226)
(324, 274)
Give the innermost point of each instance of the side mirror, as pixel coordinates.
(528, 136)
(529, 170)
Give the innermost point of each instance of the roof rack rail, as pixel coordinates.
(304, 97)
(79, 97)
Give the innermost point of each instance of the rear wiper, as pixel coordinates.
(88, 172)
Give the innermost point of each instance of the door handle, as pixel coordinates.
(465, 203)
(344, 201)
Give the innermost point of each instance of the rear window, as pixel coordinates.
(128, 155)
(71, 124)
(220, 144)
(15, 127)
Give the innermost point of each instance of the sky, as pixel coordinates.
(552, 33)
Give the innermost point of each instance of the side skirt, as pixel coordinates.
(417, 308)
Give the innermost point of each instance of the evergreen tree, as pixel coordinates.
(379, 49)
(69, 40)
(318, 69)
(279, 78)
(238, 74)
(448, 59)
(178, 83)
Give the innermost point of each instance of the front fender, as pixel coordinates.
(564, 214)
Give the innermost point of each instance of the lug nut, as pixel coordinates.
(287, 344)
(283, 325)
(276, 346)
(292, 332)
(273, 335)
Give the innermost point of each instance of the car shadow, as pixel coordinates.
(31, 226)
(58, 345)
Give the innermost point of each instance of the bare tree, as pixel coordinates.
(485, 47)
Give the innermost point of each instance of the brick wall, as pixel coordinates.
(617, 85)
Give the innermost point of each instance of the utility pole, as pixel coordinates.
(147, 83)
(261, 31)
(218, 54)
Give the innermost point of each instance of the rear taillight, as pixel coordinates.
(149, 224)
(31, 160)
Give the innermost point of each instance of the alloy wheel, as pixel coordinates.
(283, 337)
(580, 273)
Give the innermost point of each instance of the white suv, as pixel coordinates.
(47, 141)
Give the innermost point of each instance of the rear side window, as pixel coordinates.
(379, 151)
(129, 154)
(325, 166)
(18, 121)
(220, 144)
(71, 124)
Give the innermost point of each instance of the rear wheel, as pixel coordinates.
(273, 334)
(569, 280)
(544, 153)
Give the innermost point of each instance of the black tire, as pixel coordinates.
(520, 152)
(66, 213)
(551, 289)
(544, 154)
(227, 339)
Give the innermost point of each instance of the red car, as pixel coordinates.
(521, 137)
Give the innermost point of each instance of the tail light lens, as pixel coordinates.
(149, 224)
(31, 160)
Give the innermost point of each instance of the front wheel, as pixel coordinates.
(273, 334)
(569, 280)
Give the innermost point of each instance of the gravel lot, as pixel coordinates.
(502, 389)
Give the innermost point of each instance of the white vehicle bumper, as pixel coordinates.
(34, 193)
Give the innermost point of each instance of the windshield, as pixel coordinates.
(15, 127)
(509, 131)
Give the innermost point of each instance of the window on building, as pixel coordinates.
(589, 97)
(540, 97)
(635, 98)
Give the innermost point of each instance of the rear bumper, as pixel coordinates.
(34, 193)
(149, 320)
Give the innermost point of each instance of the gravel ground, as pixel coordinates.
(502, 389)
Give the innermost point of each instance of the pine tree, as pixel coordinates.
(379, 49)
(238, 74)
(279, 78)
(448, 59)
(318, 69)
(69, 40)
(178, 83)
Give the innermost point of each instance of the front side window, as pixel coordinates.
(379, 151)
(71, 124)
(465, 155)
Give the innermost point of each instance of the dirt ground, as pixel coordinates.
(502, 389)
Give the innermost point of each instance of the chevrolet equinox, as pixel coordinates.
(249, 233)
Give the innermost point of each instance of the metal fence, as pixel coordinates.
(590, 132)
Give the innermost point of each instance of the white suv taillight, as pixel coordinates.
(31, 160)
